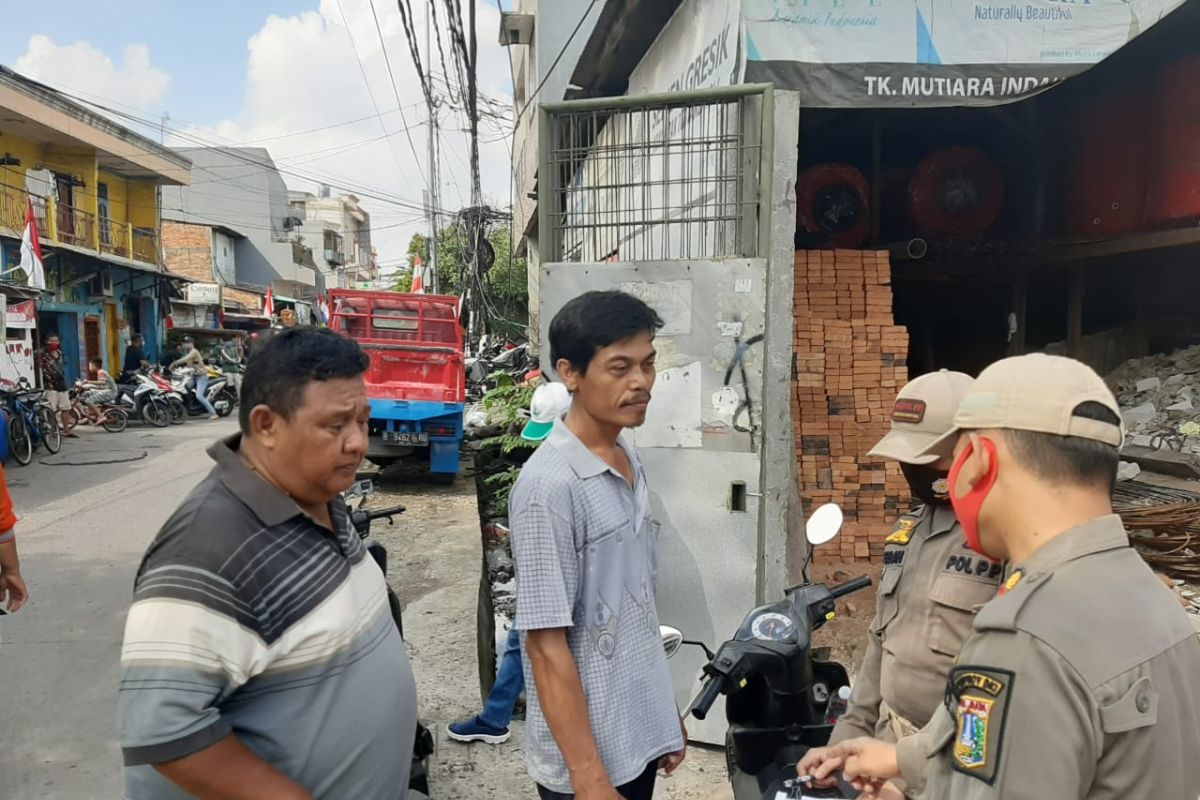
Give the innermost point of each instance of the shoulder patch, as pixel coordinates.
(979, 700)
(903, 531)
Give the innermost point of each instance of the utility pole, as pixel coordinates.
(431, 137)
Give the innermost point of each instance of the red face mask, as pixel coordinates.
(53, 346)
(968, 507)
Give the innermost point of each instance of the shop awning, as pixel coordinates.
(902, 53)
(939, 53)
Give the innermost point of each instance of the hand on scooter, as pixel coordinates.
(822, 761)
(867, 763)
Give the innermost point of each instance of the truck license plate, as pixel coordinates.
(397, 437)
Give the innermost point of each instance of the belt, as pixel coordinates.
(899, 726)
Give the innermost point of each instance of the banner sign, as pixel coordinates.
(208, 294)
(903, 53)
(21, 315)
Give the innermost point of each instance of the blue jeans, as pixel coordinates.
(510, 682)
(201, 387)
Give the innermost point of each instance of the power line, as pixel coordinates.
(366, 82)
(388, 62)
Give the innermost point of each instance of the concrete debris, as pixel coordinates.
(1139, 415)
(1127, 471)
(1160, 400)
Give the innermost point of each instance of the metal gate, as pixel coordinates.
(669, 197)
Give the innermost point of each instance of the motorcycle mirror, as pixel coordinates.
(823, 524)
(672, 639)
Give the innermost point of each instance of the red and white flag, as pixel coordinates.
(269, 304)
(418, 279)
(31, 251)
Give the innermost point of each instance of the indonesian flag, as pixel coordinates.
(31, 251)
(269, 304)
(418, 279)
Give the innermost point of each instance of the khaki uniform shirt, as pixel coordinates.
(1083, 681)
(932, 583)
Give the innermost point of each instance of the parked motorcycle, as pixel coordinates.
(495, 356)
(143, 399)
(778, 690)
(355, 496)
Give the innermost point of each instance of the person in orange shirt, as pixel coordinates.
(12, 585)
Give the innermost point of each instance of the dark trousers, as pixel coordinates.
(640, 788)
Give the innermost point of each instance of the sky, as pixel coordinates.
(306, 79)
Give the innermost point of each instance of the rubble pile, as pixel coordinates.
(1160, 400)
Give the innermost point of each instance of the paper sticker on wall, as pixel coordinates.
(725, 403)
(673, 419)
(671, 299)
(743, 285)
(730, 329)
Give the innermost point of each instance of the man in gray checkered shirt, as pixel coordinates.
(601, 711)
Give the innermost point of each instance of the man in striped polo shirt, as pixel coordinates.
(260, 658)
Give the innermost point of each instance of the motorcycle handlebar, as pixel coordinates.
(850, 586)
(380, 513)
(707, 696)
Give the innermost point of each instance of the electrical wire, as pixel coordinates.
(366, 82)
(392, 75)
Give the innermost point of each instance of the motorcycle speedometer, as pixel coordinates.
(772, 627)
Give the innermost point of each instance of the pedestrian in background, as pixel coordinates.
(135, 358)
(601, 715)
(261, 659)
(52, 369)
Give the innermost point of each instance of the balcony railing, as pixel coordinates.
(66, 224)
(115, 237)
(145, 245)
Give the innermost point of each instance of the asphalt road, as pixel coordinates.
(83, 528)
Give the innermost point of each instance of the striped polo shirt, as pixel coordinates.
(250, 618)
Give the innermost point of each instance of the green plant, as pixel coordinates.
(505, 404)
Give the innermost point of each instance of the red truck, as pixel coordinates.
(416, 382)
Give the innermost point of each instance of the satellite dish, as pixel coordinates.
(823, 524)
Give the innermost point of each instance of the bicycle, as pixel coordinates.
(109, 416)
(31, 423)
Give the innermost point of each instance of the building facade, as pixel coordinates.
(241, 198)
(94, 188)
(338, 229)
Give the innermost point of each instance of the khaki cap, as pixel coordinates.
(1035, 392)
(923, 412)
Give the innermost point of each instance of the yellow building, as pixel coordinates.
(94, 187)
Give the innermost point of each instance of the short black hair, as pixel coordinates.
(99, 362)
(137, 337)
(596, 319)
(1073, 460)
(280, 368)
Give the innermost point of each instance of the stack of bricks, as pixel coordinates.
(850, 363)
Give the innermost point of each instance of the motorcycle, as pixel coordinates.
(782, 698)
(144, 399)
(495, 356)
(174, 398)
(218, 393)
(355, 496)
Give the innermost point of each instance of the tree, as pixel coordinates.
(504, 285)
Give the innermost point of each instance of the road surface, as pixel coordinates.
(82, 531)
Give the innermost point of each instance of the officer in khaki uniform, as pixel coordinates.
(1080, 680)
(931, 583)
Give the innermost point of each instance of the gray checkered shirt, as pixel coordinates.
(586, 555)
